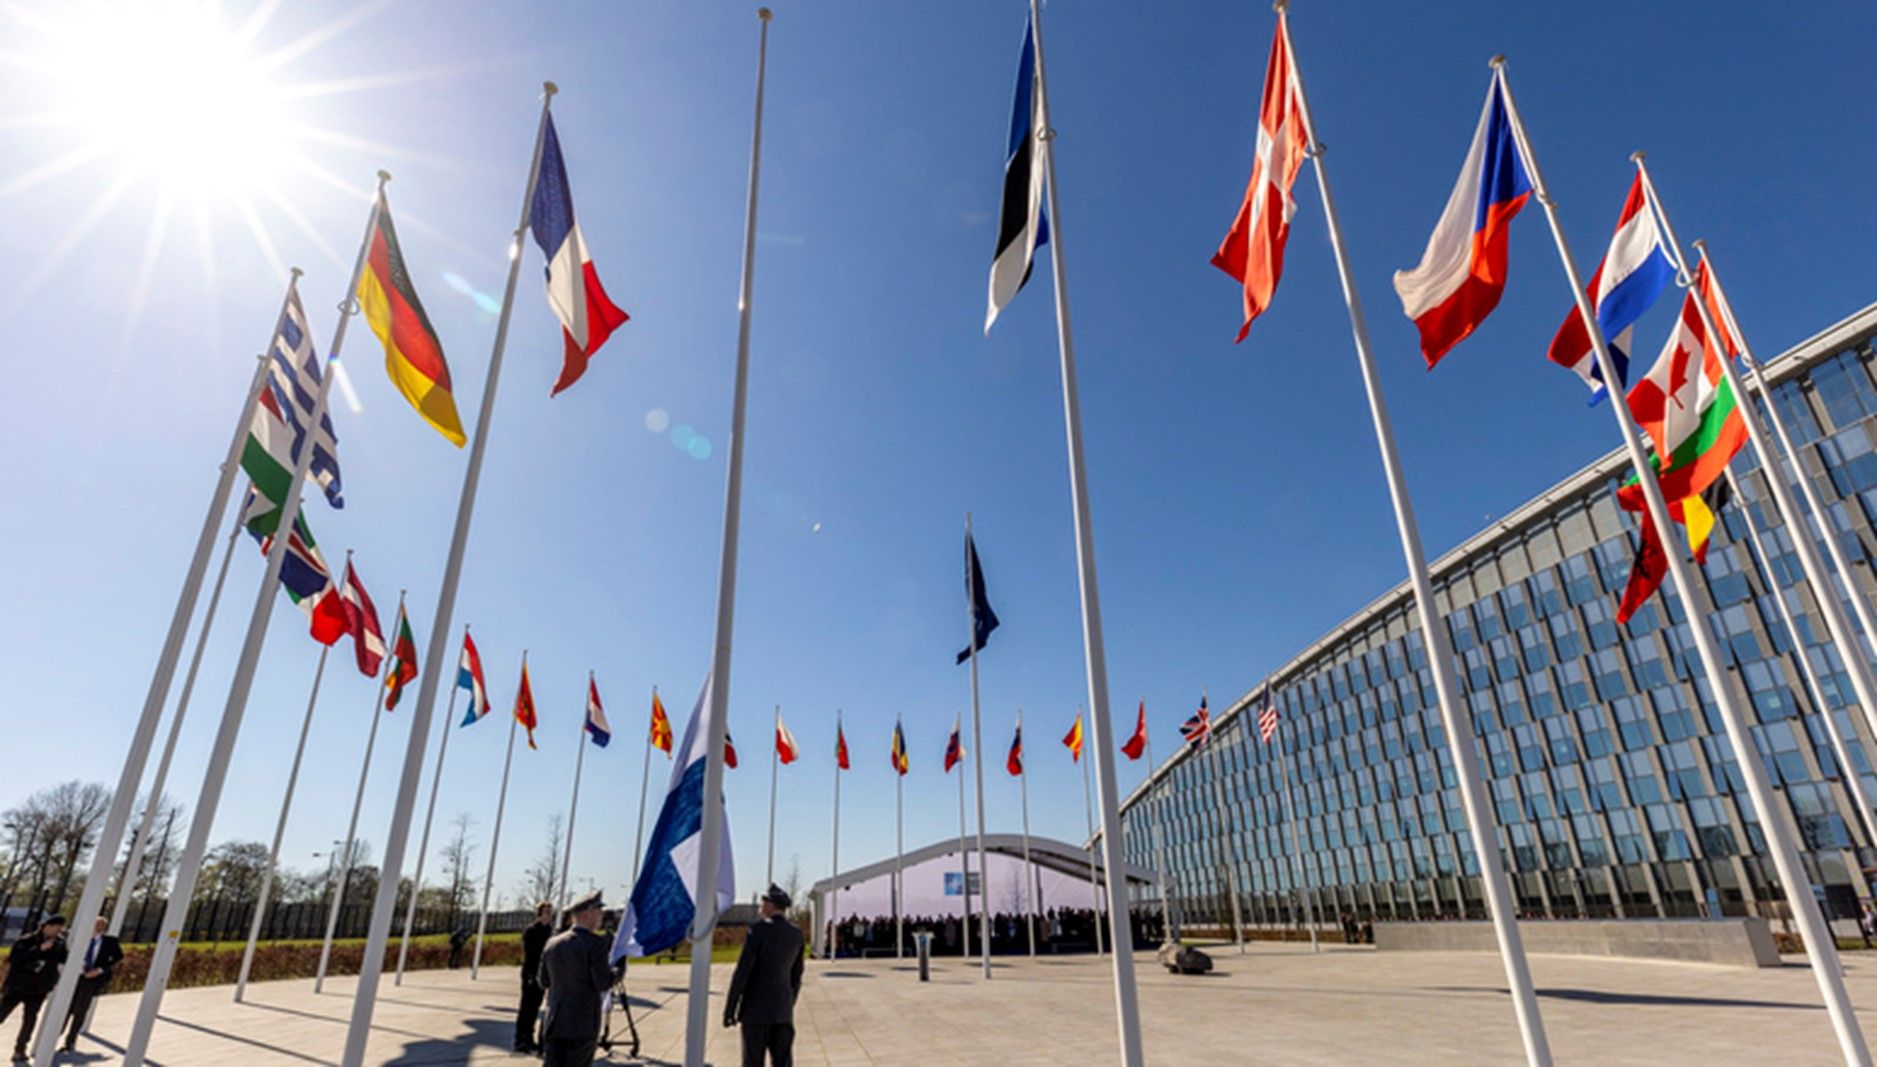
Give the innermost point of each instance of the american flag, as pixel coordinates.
(1267, 723)
(1198, 729)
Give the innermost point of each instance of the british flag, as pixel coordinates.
(1198, 729)
(1267, 723)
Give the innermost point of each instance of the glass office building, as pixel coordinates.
(1612, 782)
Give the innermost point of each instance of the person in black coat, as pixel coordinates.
(32, 972)
(102, 955)
(576, 973)
(768, 978)
(533, 941)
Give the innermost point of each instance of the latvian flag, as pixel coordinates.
(586, 315)
(597, 727)
(1463, 271)
(1632, 275)
(368, 640)
(1198, 729)
(1021, 224)
(469, 676)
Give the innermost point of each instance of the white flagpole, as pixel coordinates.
(140, 840)
(1456, 721)
(573, 806)
(495, 840)
(423, 841)
(351, 826)
(1290, 817)
(1094, 877)
(645, 778)
(977, 754)
(704, 922)
(1775, 818)
(280, 831)
(1127, 1008)
(1228, 843)
(124, 797)
(964, 865)
(1029, 872)
(189, 861)
(1160, 857)
(775, 759)
(899, 870)
(1853, 782)
(834, 892)
(371, 969)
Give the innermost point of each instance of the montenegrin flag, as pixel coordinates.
(664, 900)
(597, 727)
(413, 355)
(1253, 250)
(840, 748)
(1632, 275)
(1463, 271)
(786, 749)
(1073, 740)
(586, 315)
(661, 726)
(469, 676)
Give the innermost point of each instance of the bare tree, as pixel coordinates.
(51, 834)
(458, 857)
(159, 853)
(543, 876)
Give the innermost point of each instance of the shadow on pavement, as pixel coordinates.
(481, 1033)
(1651, 1000)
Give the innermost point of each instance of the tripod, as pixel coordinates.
(621, 1000)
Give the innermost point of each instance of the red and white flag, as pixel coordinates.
(361, 621)
(1253, 250)
(1267, 723)
(786, 749)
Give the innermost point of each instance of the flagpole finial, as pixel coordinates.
(1280, 5)
(1701, 245)
(548, 89)
(765, 14)
(1497, 62)
(1638, 156)
(383, 177)
(296, 272)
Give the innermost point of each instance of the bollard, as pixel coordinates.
(924, 940)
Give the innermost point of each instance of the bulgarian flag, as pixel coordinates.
(403, 661)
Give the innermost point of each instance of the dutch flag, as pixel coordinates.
(469, 676)
(597, 727)
(586, 314)
(1632, 275)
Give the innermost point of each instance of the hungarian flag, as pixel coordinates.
(1073, 740)
(1697, 516)
(413, 355)
(586, 315)
(900, 762)
(729, 751)
(1253, 250)
(403, 661)
(786, 749)
(1014, 761)
(368, 640)
(469, 676)
(840, 748)
(661, 726)
(1137, 744)
(597, 727)
(1687, 407)
(1462, 273)
(524, 704)
(954, 749)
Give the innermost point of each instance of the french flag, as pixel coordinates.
(1463, 271)
(587, 315)
(1632, 275)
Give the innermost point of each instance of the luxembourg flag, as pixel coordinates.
(586, 314)
(597, 727)
(469, 676)
(1632, 275)
(664, 898)
(1463, 271)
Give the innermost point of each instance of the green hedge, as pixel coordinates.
(220, 964)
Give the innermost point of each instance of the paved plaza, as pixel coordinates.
(1275, 1005)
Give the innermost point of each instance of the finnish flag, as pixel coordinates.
(664, 899)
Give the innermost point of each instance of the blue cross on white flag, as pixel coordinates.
(664, 899)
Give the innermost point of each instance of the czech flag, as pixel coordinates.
(469, 676)
(786, 749)
(954, 749)
(1014, 762)
(587, 316)
(1463, 271)
(597, 727)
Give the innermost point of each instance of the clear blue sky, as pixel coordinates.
(1238, 503)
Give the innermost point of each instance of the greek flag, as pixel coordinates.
(664, 899)
(293, 377)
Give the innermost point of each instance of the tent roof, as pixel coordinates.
(1045, 852)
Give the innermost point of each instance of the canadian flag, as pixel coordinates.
(786, 749)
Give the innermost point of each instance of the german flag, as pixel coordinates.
(413, 356)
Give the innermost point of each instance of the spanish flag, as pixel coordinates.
(413, 356)
(1073, 740)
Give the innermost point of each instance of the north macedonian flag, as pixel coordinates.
(413, 355)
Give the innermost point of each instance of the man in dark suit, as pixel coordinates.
(533, 941)
(576, 975)
(32, 972)
(102, 955)
(767, 980)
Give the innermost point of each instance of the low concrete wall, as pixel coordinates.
(1741, 942)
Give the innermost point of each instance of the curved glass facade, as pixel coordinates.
(1613, 785)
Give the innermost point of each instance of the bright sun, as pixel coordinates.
(172, 94)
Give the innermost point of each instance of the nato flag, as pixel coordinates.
(983, 619)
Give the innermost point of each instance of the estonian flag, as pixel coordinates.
(1021, 224)
(983, 619)
(664, 898)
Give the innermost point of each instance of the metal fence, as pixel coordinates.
(228, 920)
